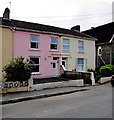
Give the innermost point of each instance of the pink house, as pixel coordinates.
(43, 49)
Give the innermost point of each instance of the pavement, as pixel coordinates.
(24, 96)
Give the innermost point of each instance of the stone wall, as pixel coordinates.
(106, 54)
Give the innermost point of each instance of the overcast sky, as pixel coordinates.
(61, 13)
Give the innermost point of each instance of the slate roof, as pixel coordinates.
(41, 27)
(103, 33)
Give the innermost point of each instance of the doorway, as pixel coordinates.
(55, 67)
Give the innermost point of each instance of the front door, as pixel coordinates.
(55, 68)
(65, 62)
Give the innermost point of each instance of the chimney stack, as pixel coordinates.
(76, 28)
(92, 27)
(6, 14)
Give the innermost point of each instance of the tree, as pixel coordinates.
(18, 69)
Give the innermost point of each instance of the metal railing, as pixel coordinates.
(77, 75)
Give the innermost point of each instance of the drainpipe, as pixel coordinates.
(110, 54)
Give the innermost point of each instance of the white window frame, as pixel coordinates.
(80, 46)
(37, 42)
(36, 64)
(68, 45)
(53, 44)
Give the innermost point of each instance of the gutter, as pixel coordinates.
(100, 44)
(111, 39)
(106, 43)
(3, 26)
(45, 32)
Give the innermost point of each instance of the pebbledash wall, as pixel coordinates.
(22, 48)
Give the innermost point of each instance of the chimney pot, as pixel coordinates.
(6, 14)
(92, 27)
(76, 28)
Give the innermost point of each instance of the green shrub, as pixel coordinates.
(18, 70)
(107, 70)
(90, 70)
(111, 67)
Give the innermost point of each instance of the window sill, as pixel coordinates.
(53, 50)
(33, 49)
(81, 52)
(66, 51)
(36, 73)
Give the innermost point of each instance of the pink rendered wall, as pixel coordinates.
(21, 48)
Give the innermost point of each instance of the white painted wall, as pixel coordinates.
(104, 80)
(56, 84)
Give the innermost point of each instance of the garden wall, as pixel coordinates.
(68, 83)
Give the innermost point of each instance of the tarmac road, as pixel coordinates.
(93, 103)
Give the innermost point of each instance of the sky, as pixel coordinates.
(61, 13)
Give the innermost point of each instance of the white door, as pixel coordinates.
(55, 68)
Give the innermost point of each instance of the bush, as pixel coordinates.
(107, 70)
(18, 70)
(90, 70)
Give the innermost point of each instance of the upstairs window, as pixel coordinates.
(65, 45)
(34, 41)
(53, 43)
(80, 46)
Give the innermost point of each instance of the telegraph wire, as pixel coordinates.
(72, 19)
(46, 17)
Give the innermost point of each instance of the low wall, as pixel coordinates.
(56, 84)
(104, 80)
(11, 90)
(9, 87)
(80, 75)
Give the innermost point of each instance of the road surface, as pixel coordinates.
(93, 103)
